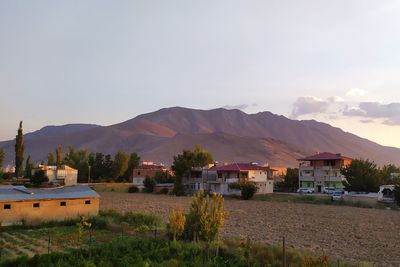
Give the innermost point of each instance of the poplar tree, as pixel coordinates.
(19, 151)
(28, 167)
(2, 156)
(50, 159)
(59, 156)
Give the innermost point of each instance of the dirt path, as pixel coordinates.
(354, 234)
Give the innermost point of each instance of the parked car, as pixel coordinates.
(337, 195)
(305, 190)
(329, 190)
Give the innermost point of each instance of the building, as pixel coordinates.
(19, 204)
(220, 177)
(322, 170)
(146, 168)
(63, 175)
(198, 179)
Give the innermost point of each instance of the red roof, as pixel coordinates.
(150, 167)
(240, 167)
(325, 156)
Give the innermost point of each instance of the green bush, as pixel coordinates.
(164, 191)
(147, 251)
(133, 189)
(149, 184)
(248, 189)
(397, 194)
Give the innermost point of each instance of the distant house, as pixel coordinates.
(217, 179)
(146, 168)
(63, 175)
(322, 170)
(240, 172)
(19, 204)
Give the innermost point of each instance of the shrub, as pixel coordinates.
(133, 189)
(397, 194)
(149, 184)
(247, 189)
(164, 191)
(205, 218)
(39, 177)
(176, 223)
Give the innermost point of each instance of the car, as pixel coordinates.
(305, 190)
(329, 190)
(336, 196)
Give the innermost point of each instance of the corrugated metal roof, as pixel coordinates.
(21, 193)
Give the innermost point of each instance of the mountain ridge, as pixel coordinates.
(158, 135)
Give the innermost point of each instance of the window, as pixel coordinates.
(63, 203)
(138, 173)
(36, 205)
(7, 206)
(87, 202)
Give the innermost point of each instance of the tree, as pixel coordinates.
(50, 159)
(205, 219)
(388, 174)
(39, 177)
(29, 167)
(291, 180)
(107, 166)
(362, 176)
(59, 156)
(183, 164)
(176, 223)
(134, 161)
(2, 156)
(19, 151)
(149, 184)
(163, 177)
(78, 159)
(397, 194)
(120, 165)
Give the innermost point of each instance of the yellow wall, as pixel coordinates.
(49, 210)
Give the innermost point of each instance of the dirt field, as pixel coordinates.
(350, 233)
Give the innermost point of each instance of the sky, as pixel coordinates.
(105, 62)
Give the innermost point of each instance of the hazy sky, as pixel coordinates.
(107, 61)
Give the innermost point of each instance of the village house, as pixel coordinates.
(322, 171)
(216, 179)
(146, 168)
(241, 172)
(63, 175)
(20, 205)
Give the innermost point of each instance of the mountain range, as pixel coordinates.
(230, 135)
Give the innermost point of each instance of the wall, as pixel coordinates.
(49, 210)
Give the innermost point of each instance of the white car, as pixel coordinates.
(305, 190)
(337, 195)
(329, 190)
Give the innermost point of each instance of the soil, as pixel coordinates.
(350, 233)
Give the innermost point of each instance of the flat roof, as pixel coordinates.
(21, 193)
(325, 156)
(240, 167)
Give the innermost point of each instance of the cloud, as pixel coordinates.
(367, 121)
(354, 111)
(356, 92)
(375, 110)
(309, 105)
(241, 106)
(335, 99)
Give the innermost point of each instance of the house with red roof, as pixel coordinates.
(146, 168)
(322, 171)
(227, 174)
